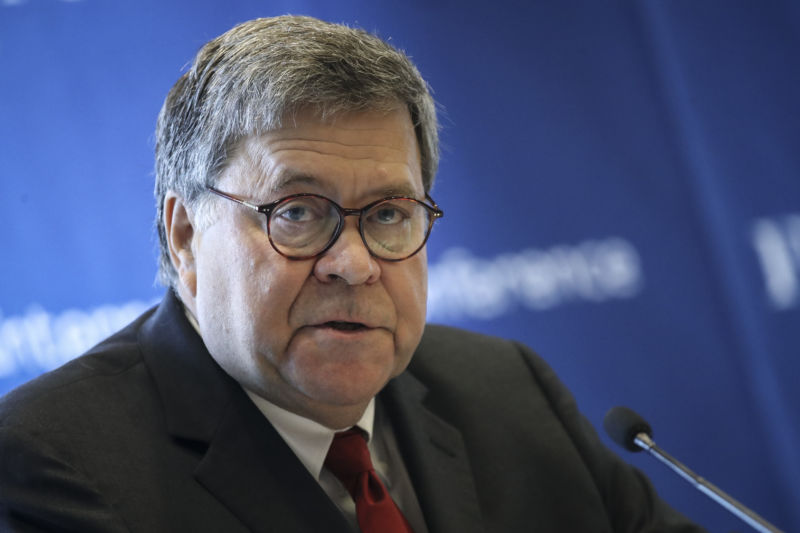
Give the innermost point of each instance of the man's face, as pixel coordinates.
(273, 323)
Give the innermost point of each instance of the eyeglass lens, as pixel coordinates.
(304, 226)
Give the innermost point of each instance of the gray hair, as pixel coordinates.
(251, 78)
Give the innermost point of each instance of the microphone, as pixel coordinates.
(633, 433)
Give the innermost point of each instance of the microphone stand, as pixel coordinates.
(644, 441)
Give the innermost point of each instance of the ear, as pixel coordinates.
(180, 233)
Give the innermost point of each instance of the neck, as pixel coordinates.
(333, 417)
(340, 419)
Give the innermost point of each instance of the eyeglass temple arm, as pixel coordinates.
(437, 212)
(234, 199)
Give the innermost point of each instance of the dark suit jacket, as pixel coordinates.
(146, 433)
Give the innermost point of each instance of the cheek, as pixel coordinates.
(417, 276)
(407, 283)
(238, 284)
(261, 296)
(245, 294)
(220, 270)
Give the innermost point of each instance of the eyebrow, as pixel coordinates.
(398, 190)
(288, 180)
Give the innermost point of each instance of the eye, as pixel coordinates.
(388, 213)
(296, 213)
(299, 210)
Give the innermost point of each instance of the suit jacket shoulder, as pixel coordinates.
(146, 433)
(524, 436)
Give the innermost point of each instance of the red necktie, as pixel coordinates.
(348, 459)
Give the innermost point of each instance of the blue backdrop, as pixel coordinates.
(621, 182)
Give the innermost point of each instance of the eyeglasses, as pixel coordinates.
(303, 226)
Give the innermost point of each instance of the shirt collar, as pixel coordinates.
(308, 439)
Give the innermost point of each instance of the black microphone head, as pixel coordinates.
(623, 424)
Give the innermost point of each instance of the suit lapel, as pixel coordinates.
(436, 459)
(245, 463)
(251, 470)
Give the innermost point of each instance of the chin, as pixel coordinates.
(347, 387)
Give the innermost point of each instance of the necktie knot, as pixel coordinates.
(348, 457)
(349, 460)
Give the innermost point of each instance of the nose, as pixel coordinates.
(348, 259)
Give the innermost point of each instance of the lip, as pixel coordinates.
(330, 321)
(327, 332)
(345, 327)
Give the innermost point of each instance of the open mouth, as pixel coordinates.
(344, 326)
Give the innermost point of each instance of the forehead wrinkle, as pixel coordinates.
(354, 150)
(283, 175)
(259, 152)
(289, 180)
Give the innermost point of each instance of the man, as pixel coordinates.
(294, 165)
